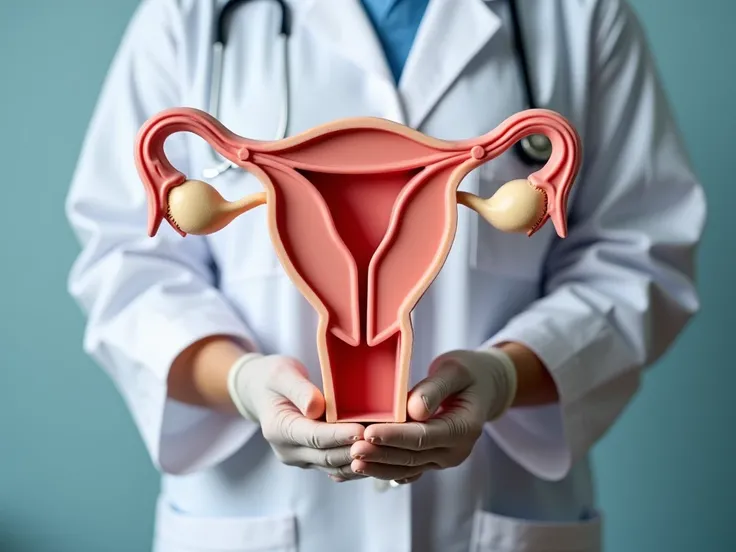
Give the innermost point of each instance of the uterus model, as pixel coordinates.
(362, 213)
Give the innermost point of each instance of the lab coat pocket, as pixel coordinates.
(512, 255)
(495, 533)
(181, 532)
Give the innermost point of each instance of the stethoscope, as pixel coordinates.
(534, 150)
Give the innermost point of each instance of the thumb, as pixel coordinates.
(448, 376)
(291, 382)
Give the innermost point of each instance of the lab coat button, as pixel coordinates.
(382, 486)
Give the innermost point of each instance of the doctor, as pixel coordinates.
(542, 340)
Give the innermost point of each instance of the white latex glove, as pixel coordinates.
(464, 390)
(274, 392)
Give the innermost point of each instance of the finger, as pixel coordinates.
(334, 462)
(448, 377)
(445, 431)
(289, 427)
(341, 474)
(291, 382)
(388, 472)
(395, 456)
(329, 458)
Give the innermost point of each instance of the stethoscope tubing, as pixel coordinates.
(533, 150)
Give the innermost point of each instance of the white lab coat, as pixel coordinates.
(597, 307)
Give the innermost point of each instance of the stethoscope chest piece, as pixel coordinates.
(535, 149)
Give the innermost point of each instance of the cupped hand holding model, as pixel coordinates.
(274, 392)
(463, 391)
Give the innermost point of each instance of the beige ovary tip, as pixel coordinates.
(198, 208)
(517, 206)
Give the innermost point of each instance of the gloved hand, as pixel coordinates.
(274, 392)
(463, 391)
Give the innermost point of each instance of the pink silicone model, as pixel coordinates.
(362, 213)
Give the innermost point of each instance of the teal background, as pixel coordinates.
(74, 476)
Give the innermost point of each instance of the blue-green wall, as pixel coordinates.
(73, 474)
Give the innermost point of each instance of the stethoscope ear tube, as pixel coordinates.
(223, 19)
(218, 54)
(218, 50)
(536, 149)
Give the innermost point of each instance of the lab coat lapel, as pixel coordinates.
(344, 27)
(450, 35)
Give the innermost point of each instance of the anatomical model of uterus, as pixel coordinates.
(362, 213)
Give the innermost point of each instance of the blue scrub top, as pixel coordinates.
(396, 23)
